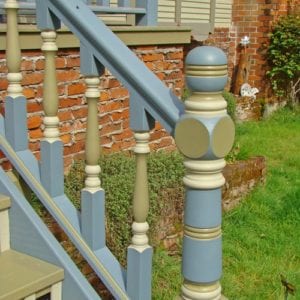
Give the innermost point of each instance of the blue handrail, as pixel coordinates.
(158, 100)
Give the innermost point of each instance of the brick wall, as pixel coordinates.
(255, 19)
(165, 61)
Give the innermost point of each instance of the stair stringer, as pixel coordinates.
(29, 235)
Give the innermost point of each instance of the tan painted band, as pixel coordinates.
(203, 233)
(193, 291)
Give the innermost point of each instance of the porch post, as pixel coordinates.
(204, 135)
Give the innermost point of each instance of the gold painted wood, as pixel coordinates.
(29, 36)
(50, 94)
(141, 193)
(74, 235)
(22, 275)
(92, 145)
(13, 52)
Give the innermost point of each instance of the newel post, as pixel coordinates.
(204, 135)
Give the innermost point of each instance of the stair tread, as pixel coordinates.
(22, 275)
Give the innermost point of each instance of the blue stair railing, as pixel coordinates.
(203, 133)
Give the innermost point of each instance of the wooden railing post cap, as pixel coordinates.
(206, 69)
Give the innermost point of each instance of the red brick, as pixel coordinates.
(152, 57)
(32, 78)
(76, 89)
(3, 84)
(34, 122)
(73, 62)
(69, 75)
(69, 102)
(80, 113)
(36, 134)
(29, 93)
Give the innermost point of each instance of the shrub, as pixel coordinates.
(117, 176)
(231, 104)
(284, 58)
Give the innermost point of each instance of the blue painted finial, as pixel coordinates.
(206, 69)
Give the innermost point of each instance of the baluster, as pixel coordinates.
(15, 103)
(13, 52)
(150, 18)
(139, 252)
(92, 196)
(204, 135)
(51, 146)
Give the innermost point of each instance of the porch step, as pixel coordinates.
(25, 277)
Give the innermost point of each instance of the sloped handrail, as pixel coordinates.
(146, 89)
(56, 212)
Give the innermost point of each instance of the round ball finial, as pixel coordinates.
(206, 69)
(206, 56)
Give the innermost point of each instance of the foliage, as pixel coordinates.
(284, 58)
(117, 176)
(231, 104)
(260, 237)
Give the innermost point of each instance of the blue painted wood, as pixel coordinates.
(150, 18)
(102, 261)
(203, 208)
(44, 18)
(93, 218)
(202, 259)
(140, 119)
(113, 266)
(2, 128)
(52, 167)
(157, 99)
(16, 122)
(30, 161)
(89, 65)
(103, 2)
(29, 235)
(124, 3)
(139, 273)
(69, 210)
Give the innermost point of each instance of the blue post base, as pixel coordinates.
(52, 167)
(93, 218)
(139, 269)
(16, 122)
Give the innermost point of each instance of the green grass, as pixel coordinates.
(261, 237)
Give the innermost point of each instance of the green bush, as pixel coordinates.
(118, 176)
(284, 58)
(231, 104)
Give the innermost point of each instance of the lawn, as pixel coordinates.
(261, 237)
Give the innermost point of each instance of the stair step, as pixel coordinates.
(23, 275)
(4, 223)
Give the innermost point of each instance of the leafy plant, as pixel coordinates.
(284, 58)
(231, 104)
(117, 176)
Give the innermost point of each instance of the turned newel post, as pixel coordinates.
(204, 135)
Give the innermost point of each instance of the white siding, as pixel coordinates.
(195, 11)
(223, 13)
